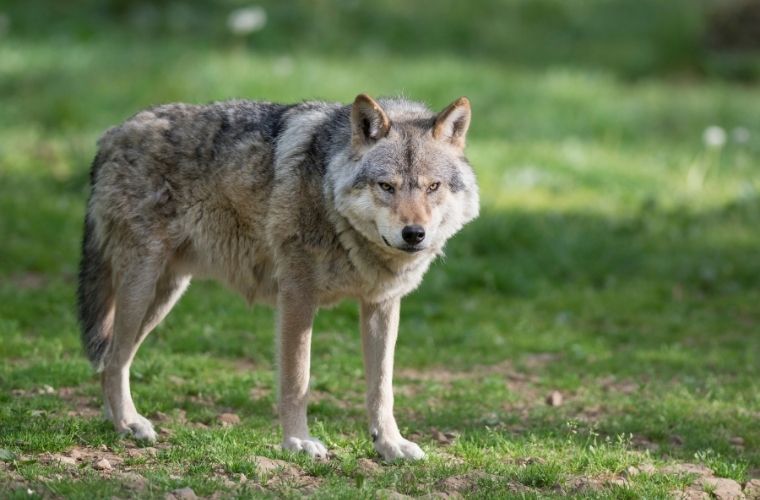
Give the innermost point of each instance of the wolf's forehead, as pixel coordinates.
(410, 161)
(408, 156)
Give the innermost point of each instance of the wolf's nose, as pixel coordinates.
(413, 234)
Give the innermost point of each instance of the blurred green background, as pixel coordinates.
(617, 145)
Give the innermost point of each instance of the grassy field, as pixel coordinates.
(615, 260)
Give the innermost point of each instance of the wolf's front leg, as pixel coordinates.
(296, 308)
(379, 332)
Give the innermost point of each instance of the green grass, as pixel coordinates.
(615, 260)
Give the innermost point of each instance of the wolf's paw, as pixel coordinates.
(311, 446)
(398, 449)
(140, 429)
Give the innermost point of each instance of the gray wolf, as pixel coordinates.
(298, 206)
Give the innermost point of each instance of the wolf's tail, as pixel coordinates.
(95, 295)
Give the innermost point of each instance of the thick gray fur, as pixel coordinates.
(273, 200)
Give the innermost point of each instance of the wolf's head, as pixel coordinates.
(406, 185)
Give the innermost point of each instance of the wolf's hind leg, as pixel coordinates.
(142, 302)
(168, 291)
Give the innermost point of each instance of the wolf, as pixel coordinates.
(297, 206)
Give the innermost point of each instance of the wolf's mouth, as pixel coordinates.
(405, 248)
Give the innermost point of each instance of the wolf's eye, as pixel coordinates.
(433, 187)
(386, 187)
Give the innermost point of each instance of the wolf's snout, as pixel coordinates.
(413, 234)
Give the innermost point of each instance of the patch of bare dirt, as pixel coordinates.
(462, 483)
(691, 494)
(368, 467)
(279, 474)
(580, 484)
(387, 494)
(687, 468)
(181, 494)
(752, 489)
(77, 403)
(722, 488)
(228, 419)
(706, 485)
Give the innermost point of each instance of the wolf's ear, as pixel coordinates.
(369, 122)
(452, 123)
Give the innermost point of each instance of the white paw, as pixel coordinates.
(139, 428)
(311, 446)
(398, 449)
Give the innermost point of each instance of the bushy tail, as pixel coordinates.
(95, 295)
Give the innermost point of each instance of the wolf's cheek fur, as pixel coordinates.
(459, 208)
(360, 209)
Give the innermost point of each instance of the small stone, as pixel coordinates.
(647, 468)
(46, 389)
(631, 471)
(737, 441)
(462, 483)
(228, 419)
(103, 447)
(64, 460)
(103, 465)
(554, 398)
(181, 494)
(442, 438)
(723, 488)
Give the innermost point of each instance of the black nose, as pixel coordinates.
(413, 234)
